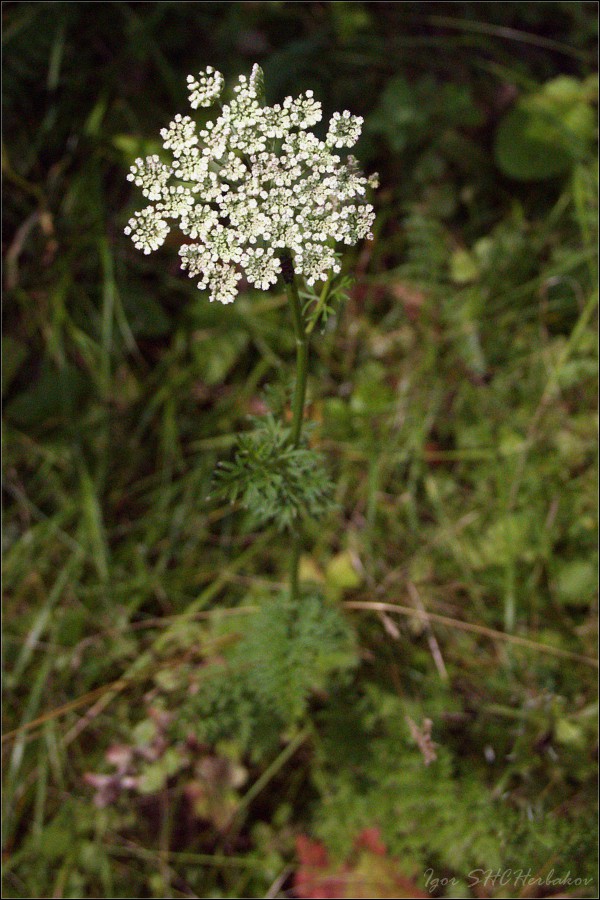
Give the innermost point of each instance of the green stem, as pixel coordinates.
(299, 398)
(301, 360)
(316, 312)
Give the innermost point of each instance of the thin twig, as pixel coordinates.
(278, 883)
(431, 638)
(375, 606)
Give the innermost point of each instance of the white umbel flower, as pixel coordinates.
(176, 201)
(148, 231)
(222, 283)
(199, 220)
(304, 111)
(261, 266)
(344, 129)
(151, 175)
(195, 258)
(180, 135)
(205, 89)
(314, 261)
(253, 185)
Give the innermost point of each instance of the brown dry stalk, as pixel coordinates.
(376, 606)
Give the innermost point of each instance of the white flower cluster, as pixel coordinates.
(252, 186)
(205, 90)
(344, 130)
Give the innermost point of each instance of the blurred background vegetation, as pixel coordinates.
(167, 733)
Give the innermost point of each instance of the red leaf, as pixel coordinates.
(370, 839)
(311, 853)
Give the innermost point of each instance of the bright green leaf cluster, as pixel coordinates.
(288, 650)
(274, 480)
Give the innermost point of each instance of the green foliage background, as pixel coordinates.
(171, 726)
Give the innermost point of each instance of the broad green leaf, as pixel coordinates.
(545, 133)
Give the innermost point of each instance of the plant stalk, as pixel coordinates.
(301, 360)
(299, 397)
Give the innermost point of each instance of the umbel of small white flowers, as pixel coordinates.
(253, 187)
